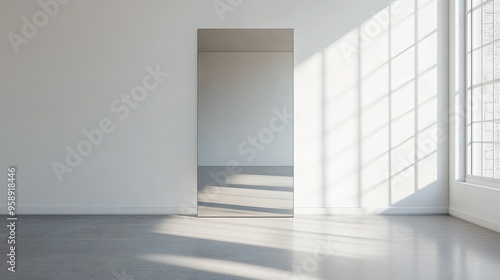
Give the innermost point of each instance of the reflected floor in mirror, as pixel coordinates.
(248, 191)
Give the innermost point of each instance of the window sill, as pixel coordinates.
(480, 183)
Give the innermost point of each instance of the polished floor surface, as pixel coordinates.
(250, 191)
(305, 247)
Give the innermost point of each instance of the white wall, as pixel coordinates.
(243, 101)
(357, 106)
(474, 203)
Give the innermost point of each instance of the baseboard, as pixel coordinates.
(103, 211)
(193, 211)
(475, 220)
(371, 211)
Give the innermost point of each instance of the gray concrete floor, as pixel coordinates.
(304, 247)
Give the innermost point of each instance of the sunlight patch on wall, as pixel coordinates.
(341, 122)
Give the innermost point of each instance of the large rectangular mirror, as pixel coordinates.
(245, 122)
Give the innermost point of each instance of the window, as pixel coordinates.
(483, 90)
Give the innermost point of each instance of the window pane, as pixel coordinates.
(488, 32)
(488, 160)
(496, 93)
(476, 66)
(497, 131)
(468, 116)
(487, 63)
(488, 102)
(488, 131)
(497, 101)
(496, 17)
(496, 89)
(476, 159)
(477, 102)
(477, 127)
(496, 59)
(476, 28)
(475, 2)
(497, 161)
(469, 157)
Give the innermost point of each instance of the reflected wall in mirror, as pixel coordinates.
(245, 122)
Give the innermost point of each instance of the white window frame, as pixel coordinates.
(469, 178)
